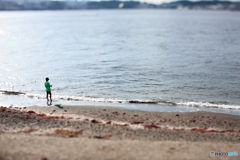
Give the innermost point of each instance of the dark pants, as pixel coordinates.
(50, 94)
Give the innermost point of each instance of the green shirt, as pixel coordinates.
(47, 86)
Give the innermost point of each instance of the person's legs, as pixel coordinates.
(47, 95)
(50, 93)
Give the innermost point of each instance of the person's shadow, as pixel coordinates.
(49, 103)
(59, 106)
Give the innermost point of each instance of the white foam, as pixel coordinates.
(78, 98)
(208, 105)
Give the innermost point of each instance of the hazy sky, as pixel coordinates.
(148, 1)
(157, 1)
(163, 1)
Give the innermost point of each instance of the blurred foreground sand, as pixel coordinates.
(99, 132)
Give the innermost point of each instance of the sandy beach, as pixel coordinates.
(100, 132)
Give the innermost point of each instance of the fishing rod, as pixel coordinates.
(18, 85)
(29, 83)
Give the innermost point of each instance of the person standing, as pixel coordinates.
(48, 89)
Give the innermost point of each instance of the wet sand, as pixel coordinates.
(100, 132)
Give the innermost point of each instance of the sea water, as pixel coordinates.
(156, 60)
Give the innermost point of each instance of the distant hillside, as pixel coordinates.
(202, 5)
(67, 5)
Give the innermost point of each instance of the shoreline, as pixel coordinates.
(166, 106)
(103, 125)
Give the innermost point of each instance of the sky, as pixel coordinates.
(152, 1)
(164, 1)
(157, 1)
(147, 1)
(160, 1)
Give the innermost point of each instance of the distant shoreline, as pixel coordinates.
(12, 5)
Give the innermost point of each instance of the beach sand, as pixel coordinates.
(100, 132)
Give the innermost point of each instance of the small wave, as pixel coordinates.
(78, 98)
(208, 105)
(11, 92)
(152, 102)
(101, 99)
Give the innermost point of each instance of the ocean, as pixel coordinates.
(153, 60)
